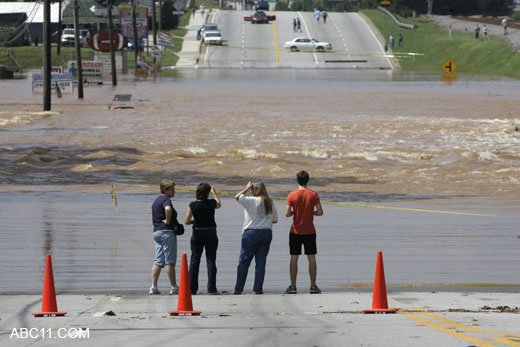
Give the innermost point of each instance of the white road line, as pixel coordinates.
(308, 35)
(375, 38)
(340, 33)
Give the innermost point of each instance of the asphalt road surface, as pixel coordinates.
(249, 45)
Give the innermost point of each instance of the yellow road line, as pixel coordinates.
(509, 341)
(435, 285)
(275, 38)
(273, 197)
(454, 333)
(461, 326)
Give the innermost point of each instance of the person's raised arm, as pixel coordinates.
(243, 191)
(188, 217)
(318, 211)
(219, 204)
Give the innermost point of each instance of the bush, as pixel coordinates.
(516, 15)
(281, 6)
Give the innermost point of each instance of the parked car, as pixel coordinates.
(306, 44)
(262, 5)
(68, 38)
(259, 17)
(212, 38)
(210, 27)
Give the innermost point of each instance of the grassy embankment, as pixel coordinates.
(492, 58)
(31, 57)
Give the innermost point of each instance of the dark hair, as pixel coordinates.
(302, 177)
(202, 192)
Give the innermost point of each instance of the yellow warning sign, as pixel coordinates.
(385, 2)
(449, 66)
(449, 77)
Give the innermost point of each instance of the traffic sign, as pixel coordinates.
(449, 66)
(386, 2)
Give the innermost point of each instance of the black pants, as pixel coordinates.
(200, 239)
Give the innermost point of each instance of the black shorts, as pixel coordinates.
(308, 241)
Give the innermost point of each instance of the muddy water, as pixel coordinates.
(410, 138)
(415, 143)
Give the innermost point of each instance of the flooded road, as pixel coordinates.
(380, 139)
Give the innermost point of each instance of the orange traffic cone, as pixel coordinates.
(49, 306)
(184, 305)
(379, 302)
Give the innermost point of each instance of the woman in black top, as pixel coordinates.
(201, 214)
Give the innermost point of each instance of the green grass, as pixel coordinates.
(491, 58)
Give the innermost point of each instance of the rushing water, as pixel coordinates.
(400, 138)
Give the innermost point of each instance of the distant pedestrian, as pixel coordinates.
(294, 25)
(324, 14)
(199, 32)
(193, 12)
(260, 215)
(201, 214)
(400, 40)
(386, 47)
(485, 32)
(504, 25)
(477, 32)
(303, 204)
(391, 39)
(317, 13)
(164, 218)
(202, 9)
(299, 24)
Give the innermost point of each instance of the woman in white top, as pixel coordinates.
(260, 214)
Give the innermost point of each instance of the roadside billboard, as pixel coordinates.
(63, 80)
(141, 19)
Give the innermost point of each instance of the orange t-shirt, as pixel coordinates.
(303, 202)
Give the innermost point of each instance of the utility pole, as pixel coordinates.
(78, 49)
(160, 14)
(47, 55)
(430, 7)
(112, 52)
(153, 24)
(59, 28)
(134, 28)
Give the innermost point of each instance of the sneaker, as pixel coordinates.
(174, 290)
(216, 292)
(236, 292)
(290, 290)
(315, 290)
(154, 290)
(259, 293)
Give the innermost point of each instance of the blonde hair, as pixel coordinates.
(265, 200)
(166, 184)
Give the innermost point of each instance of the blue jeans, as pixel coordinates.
(165, 247)
(200, 239)
(255, 242)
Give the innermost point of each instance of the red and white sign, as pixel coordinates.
(101, 41)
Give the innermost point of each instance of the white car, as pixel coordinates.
(212, 38)
(306, 44)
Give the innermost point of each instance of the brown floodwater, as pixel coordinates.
(385, 138)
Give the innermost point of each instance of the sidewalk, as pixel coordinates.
(189, 55)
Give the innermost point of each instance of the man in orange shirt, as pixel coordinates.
(303, 204)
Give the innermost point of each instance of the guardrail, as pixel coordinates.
(397, 21)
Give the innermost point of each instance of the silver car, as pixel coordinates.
(306, 44)
(212, 38)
